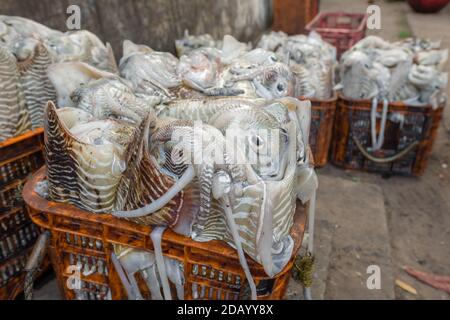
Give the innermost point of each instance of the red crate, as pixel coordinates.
(340, 29)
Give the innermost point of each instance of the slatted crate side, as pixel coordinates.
(10, 196)
(11, 268)
(21, 168)
(352, 123)
(321, 130)
(14, 244)
(11, 220)
(11, 275)
(207, 266)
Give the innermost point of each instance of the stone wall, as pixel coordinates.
(156, 23)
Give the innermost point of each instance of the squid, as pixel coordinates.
(189, 42)
(113, 98)
(202, 70)
(270, 82)
(150, 72)
(80, 45)
(14, 118)
(84, 157)
(33, 59)
(66, 77)
(155, 269)
(408, 71)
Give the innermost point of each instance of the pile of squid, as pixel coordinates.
(128, 144)
(312, 60)
(27, 49)
(309, 62)
(408, 71)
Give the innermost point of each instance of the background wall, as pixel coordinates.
(156, 23)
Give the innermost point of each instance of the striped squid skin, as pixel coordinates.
(14, 118)
(202, 109)
(37, 87)
(61, 167)
(80, 173)
(143, 182)
(84, 46)
(247, 214)
(73, 177)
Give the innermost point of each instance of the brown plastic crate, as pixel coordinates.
(340, 29)
(19, 157)
(77, 235)
(322, 119)
(408, 145)
(292, 16)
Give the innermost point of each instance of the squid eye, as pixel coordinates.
(257, 141)
(280, 87)
(98, 141)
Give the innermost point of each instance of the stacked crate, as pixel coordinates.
(19, 157)
(407, 145)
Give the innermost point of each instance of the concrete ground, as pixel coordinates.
(363, 219)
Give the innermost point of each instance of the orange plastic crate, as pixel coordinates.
(340, 29)
(321, 131)
(211, 269)
(408, 144)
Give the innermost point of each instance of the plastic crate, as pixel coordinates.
(321, 130)
(407, 144)
(19, 157)
(211, 269)
(340, 29)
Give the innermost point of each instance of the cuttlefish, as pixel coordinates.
(14, 118)
(33, 59)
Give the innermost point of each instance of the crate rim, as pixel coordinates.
(310, 26)
(396, 104)
(22, 137)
